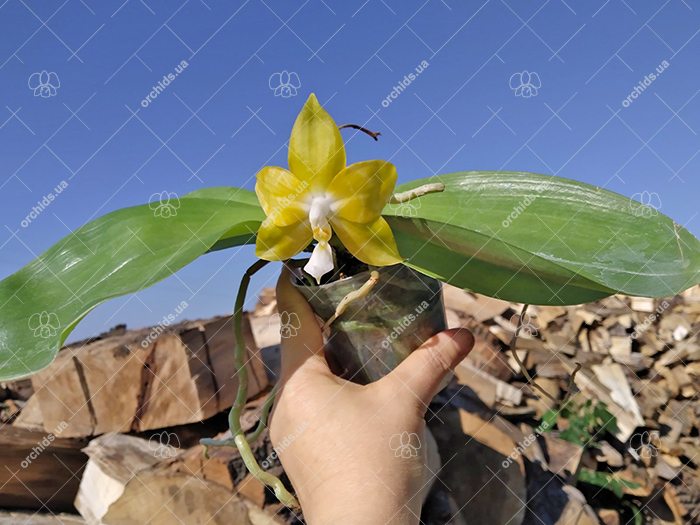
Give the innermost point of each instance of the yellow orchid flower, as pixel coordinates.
(320, 195)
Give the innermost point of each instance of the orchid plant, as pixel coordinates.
(515, 236)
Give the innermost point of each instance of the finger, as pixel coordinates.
(423, 371)
(304, 340)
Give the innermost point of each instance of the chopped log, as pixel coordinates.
(561, 343)
(684, 381)
(144, 379)
(635, 362)
(542, 403)
(609, 455)
(122, 486)
(20, 389)
(34, 518)
(609, 516)
(642, 484)
(620, 346)
(266, 330)
(679, 510)
(547, 314)
(673, 327)
(563, 457)
(600, 340)
(651, 397)
(682, 413)
(650, 344)
(687, 495)
(478, 307)
(487, 357)
(489, 389)
(225, 465)
(41, 470)
(609, 384)
(576, 509)
(30, 417)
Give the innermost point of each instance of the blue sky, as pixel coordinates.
(221, 121)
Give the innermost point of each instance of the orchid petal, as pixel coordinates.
(361, 190)
(372, 243)
(316, 150)
(277, 243)
(321, 261)
(280, 195)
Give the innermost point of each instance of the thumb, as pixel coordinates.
(301, 334)
(423, 371)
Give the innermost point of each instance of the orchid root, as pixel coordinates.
(354, 296)
(433, 187)
(528, 377)
(238, 438)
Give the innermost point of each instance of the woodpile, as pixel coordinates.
(125, 412)
(638, 356)
(131, 381)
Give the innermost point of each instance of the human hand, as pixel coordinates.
(335, 438)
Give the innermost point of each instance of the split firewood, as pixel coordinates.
(142, 379)
(608, 383)
(41, 470)
(682, 413)
(563, 457)
(478, 307)
(489, 389)
(35, 518)
(609, 455)
(609, 516)
(121, 486)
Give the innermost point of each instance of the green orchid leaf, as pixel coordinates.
(539, 239)
(517, 236)
(120, 253)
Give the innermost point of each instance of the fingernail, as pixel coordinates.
(462, 337)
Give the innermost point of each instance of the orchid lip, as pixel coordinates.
(320, 211)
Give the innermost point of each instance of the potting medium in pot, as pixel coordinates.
(378, 331)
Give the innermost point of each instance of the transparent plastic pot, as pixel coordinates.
(378, 331)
